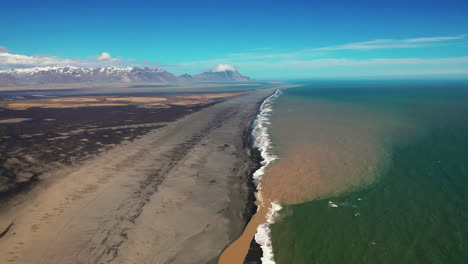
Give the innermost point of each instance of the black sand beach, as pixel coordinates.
(173, 192)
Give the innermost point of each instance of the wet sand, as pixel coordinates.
(176, 195)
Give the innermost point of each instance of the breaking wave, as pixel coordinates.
(263, 143)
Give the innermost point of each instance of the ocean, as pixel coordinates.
(366, 172)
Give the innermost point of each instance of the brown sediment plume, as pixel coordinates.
(236, 252)
(327, 148)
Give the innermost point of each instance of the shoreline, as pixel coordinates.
(253, 252)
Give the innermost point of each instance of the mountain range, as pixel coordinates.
(71, 74)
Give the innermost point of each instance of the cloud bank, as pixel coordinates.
(376, 44)
(319, 62)
(10, 60)
(394, 43)
(336, 62)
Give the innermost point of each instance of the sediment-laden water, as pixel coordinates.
(368, 172)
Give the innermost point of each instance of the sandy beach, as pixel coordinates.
(177, 194)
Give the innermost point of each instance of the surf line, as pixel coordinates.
(259, 226)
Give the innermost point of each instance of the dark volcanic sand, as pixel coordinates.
(177, 194)
(57, 137)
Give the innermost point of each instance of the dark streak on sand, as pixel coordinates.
(4, 232)
(56, 137)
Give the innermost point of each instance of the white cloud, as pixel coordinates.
(223, 68)
(104, 56)
(10, 60)
(435, 39)
(394, 43)
(351, 68)
(364, 45)
(375, 62)
(390, 44)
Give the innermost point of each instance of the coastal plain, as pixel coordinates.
(128, 183)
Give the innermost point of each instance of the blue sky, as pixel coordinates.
(263, 39)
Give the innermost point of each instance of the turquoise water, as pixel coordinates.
(416, 209)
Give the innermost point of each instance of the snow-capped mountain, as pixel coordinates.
(221, 76)
(221, 73)
(71, 74)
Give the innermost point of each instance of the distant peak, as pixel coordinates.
(223, 68)
(110, 74)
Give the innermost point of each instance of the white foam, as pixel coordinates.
(263, 235)
(262, 141)
(261, 136)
